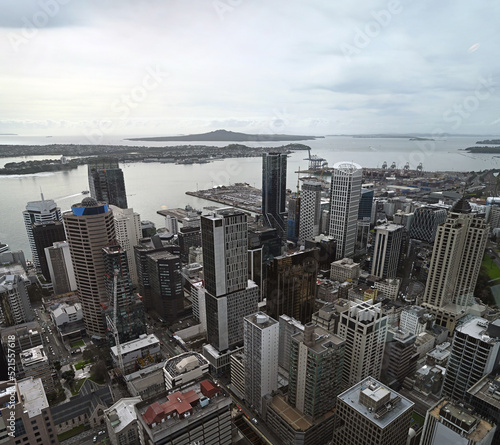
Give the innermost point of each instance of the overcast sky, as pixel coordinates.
(290, 66)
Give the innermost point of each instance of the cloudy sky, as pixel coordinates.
(272, 66)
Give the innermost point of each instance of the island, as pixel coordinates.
(489, 141)
(227, 136)
(483, 149)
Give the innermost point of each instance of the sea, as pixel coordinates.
(154, 186)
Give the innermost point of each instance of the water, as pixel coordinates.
(152, 187)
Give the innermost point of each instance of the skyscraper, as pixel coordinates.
(230, 296)
(89, 228)
(106, 183)
(274, 191)
(364, 328)
(345, 194)
(39, 211)
(456, 259)
(426, 221)
(387, 250)
(15, 305)
(291, 285)
(310, 210)
(45, 234)
(261, 337)
(62, 273)
(128, 233)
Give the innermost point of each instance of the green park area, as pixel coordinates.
(77, 344)
(491, 268)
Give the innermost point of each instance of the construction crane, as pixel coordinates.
(114, 322)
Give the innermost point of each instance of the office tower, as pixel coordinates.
(455, 263)
(106, 183)
(148, 229)
(171, 224)
(450, 423)
(261, 339)
(475, 352)
(362, 235)
(62, 274)
(128, 233)
(288, 327)
(15, 306)
(316, 363)
(426, 221)
(165, 281)
(291, 285)
(90, 227)
(327, 250)
(130, 322)
(400, 357)
(372, 414)
(274, 191)
(25, 414)
(229, 296)
(188, 237)
(387, 250)
(45, 234)
(415, 319)
(293, 218)
(345, 270)
(364, 328)
(39, 211)
(310, 211)
(365, 205)
(344, 205)
(35, 364)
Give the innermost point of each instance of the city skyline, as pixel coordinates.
(170, 68)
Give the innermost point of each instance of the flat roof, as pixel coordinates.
(171, 364)
(323, 339)
(134, 345)
(261, 320)
(292, 416)
(125, 411)
(477, 328)
(352, 395)
(35, 399)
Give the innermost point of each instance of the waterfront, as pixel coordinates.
(153, 186)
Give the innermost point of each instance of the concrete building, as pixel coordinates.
(261, 340)
(345, 195)
(327, 246)
(15, 306)
(274, 191)
(400, 357)
(201, 413)
(35, 363)
(415, 319)
(387, 250)
(388, 288)
(188, 237)
(183, 369)
(122, 423)
(344, 270)
(106, 184)
(316, 365)
(21, 337)
(371, 414)
(450, 423)
(364, 328)
(291, 285)
(238, 377)
(45, 234)
(90, 227)
(425, 222)
(138, 354)
(456, 259)
(128, 233)
(147, 383)
(25, 415)
(475, 352)
(62, 274)
(39, 211)
(288, 326)
(310, 211)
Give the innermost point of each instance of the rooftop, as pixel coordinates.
(32, 356)
(143, 342)
(34, 396)
(261, 320)
(376, 391)
(122, 413)
(184, 362)
(323, 340)
(488, 332)
(487, 389)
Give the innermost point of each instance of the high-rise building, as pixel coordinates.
(89, 228)
(229, 296)
(452, 423)
(261, 339)
(128, 233)
(369, 413)
(455, 263)
(62, 274)
(45, 234)
(130, 322)
(15, 306)
(288, 327)
(39, 211)
(345, 194)
(327, 250)
(475, 352)
(365, 204)
(35, 364)
(25, 413)
(291, 285)
(426, 221)
(316, 364)
(274, 191)
(387, 250)
(188, 237)
(364, 328)
(310, 210)
(106, 183)
(293, 218)
(400, 357)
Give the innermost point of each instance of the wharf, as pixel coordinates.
(178, 214)
(240, 195)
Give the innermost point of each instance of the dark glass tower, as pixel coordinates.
(274, 191)
(107, 184)
(45, 234)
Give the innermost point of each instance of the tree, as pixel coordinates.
(57, 366)
(99, 372)
(69, 376)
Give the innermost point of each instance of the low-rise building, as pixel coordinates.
(121, 422)
(147, 382)
(183, 369)
(344, 270)
(138, 354)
